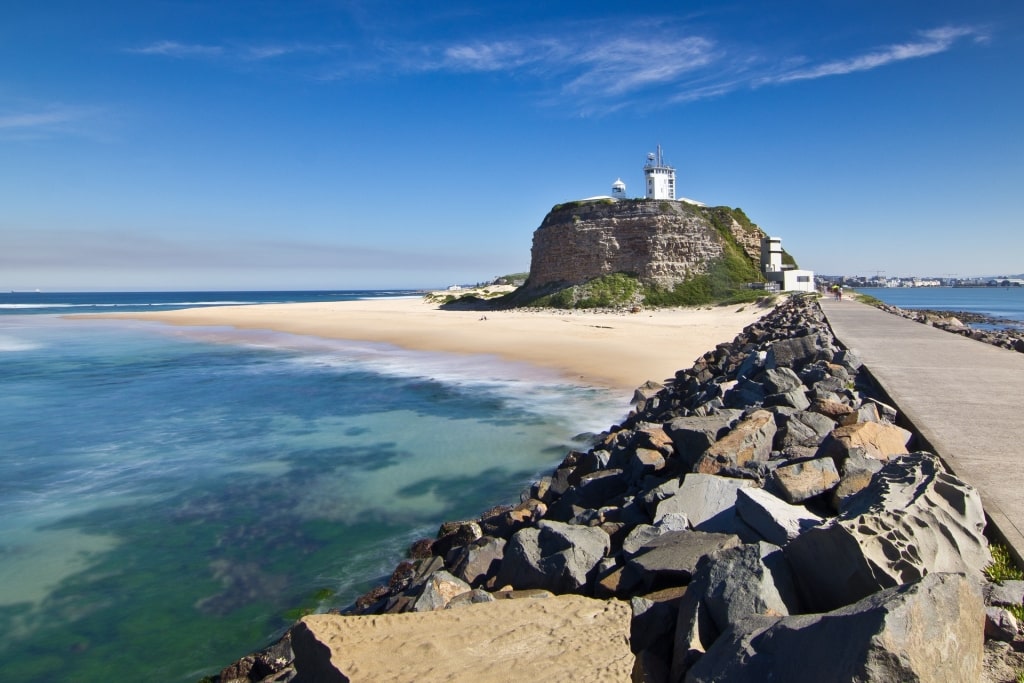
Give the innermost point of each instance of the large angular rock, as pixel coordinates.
(562, 638)
(795, 353)
(780, 380)
(832, 408)
(642, 462)
(795, 398)
(473, 597)
(639, 536)
(598, 487)
(752, 364)
(508, 521)
(1000, 624)
(479, 561)
(913, 519)
(654, 618)
(707, 500)
(857, 471)
(1009, 592)
(594, 490)
(653, 497)
(671, 559)
(878, 440)
(929, 631)
(440, 588)
(453, 534)
(774, 519)
(803, 428)
(744, 393)
(554, 556)
(802, 480)
(848, 359)
(748, 441)
(750, 579)
(693, 435)
(655, 437)
(728, 586)
(867, 412)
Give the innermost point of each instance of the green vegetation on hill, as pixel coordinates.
(608, 291)
(725, 282)
(509, 279)
(580, 202)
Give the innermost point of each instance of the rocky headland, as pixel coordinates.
(660, 244)
(760, 516)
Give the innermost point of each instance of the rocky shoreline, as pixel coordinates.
(1010, 336)
(762, 515)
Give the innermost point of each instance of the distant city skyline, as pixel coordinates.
(342, 145)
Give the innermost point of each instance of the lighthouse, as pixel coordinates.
(661, 178)
(618, 189)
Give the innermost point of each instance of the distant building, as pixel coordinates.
(661, 178)
(618, 189)
(787, 279)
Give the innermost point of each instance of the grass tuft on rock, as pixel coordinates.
(1003, 568)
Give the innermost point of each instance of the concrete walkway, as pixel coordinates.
(966, 398)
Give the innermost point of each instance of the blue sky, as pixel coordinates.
(293, 145)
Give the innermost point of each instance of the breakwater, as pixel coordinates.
(762, 514)
(1002, 332)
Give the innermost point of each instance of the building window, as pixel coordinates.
(803, 278)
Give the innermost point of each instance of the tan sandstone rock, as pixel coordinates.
(750, 440)
(564, 638)
(879, 440)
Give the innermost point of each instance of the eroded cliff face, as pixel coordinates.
(660, 242)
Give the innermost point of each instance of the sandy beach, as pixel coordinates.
(620, 351)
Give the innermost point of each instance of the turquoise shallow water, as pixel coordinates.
(167, 496)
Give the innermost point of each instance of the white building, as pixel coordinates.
(661, 178)
(618, 189)
(788, 279)
(771, 255)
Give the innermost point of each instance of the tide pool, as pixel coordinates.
(169, 497)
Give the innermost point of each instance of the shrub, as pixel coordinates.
(607, 291)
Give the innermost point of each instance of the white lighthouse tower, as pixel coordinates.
(618, 189)
(661, 178)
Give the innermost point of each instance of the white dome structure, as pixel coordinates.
(619, 189)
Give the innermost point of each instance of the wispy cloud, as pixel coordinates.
(171, 48)
(598, 67)
(501, 55)
(591, 68)
(236, 52)
(602, 70)
(626, 65)
(37, 121)
(930, 42)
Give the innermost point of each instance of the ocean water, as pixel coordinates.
(996, 302)
(170, 497)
